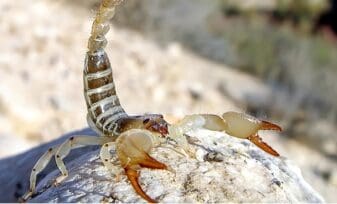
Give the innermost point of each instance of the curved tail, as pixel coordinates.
(103, 104)
(100, 26)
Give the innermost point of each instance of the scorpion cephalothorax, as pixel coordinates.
(134, 136)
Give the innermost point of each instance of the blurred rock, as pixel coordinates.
(250, 93)
(15, 170)
(247, 175)
(10, 145)
(319, 134)
(252, 4)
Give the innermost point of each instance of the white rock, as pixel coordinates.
(246, 174)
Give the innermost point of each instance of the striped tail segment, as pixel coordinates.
(103, 105)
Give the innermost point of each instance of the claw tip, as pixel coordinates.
(270, 126)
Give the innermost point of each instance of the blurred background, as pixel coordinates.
(274, 59)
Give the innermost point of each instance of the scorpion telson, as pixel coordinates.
(134, 136)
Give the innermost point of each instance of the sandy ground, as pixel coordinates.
(41, 57)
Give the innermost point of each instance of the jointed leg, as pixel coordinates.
(62, 151)
(38, 167)
(72, 143)
(106, 157)
(175, 148)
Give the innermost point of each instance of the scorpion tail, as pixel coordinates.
(100, 27)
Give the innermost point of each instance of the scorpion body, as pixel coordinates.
(134, 136)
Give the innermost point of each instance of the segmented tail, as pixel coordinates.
(100, 26)
(103, 105)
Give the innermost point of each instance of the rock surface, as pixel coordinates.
(240, 173)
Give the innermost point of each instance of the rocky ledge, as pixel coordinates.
(225, 169)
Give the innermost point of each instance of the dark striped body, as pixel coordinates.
(104, 109)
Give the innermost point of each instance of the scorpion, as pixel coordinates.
(134, 136)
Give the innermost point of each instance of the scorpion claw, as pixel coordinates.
(265, 125)
(234, 124)
(132, 173)
(247, 127)
(257, 140)
(133, 147)
(150, 162)
(133, 176)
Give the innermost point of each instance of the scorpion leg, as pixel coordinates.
(62, 151)
(38, 167)
(133, 149)
(72, 143)
(106, 157)
(175, 148)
